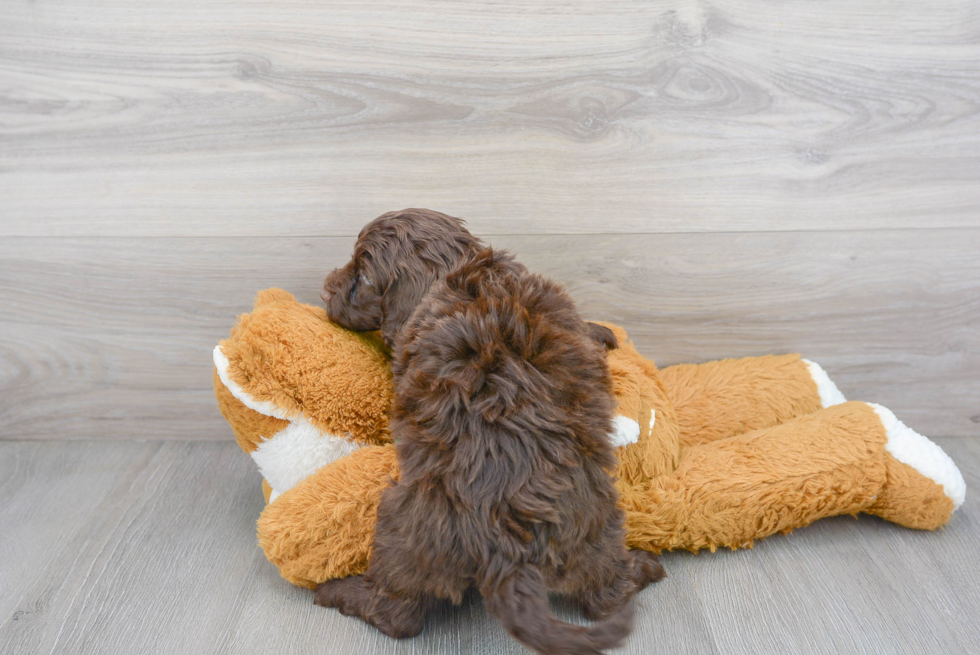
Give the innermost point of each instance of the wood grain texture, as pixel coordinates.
(49, 492)
(112, 338)
(123, 547)
(631, 116)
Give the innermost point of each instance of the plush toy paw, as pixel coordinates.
(323, 527)
(923, 485)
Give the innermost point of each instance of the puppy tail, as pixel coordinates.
(520, 603)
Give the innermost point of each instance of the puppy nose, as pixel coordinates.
(325, 295)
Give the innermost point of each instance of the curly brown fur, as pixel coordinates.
(502, 409)
(397, 258)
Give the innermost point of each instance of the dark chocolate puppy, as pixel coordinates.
(502, 409)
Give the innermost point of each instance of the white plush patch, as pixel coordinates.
(829, 393)
(625, 432)
(909, 447)
(296, 452)
(261, 406)
(653, 418)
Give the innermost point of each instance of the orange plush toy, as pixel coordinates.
(715, 454)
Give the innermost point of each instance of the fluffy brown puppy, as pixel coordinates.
(501, 413)
(397, 258)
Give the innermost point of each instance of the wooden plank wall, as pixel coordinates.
(722, 181)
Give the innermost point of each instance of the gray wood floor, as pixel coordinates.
(149, 547)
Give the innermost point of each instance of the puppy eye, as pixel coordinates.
(365, 280)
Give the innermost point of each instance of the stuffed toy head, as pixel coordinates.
(300, 392)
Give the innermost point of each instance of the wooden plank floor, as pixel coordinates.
(149, 547)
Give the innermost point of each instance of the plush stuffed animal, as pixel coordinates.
(715, 454)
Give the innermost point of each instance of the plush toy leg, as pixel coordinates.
(323, 527)
(721, 399)
(924, 486)
(834, 461)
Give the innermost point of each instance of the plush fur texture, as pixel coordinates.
(749, 485)
(723, 398)
(289, 362)
(324, 527)
(502, 408)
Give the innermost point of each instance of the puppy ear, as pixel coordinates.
(398, 303)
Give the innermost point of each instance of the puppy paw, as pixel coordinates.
(646, 568)
(348, 595)
(355, 596)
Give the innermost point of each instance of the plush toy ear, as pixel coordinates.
(273, 297)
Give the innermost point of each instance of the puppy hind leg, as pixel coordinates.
(646, 569)
(630, 576)
(359, 597)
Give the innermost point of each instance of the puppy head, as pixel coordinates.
(397, 257)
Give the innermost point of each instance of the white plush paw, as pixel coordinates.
(925, 456)
(829, 393)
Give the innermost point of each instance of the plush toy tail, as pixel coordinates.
(520, 603)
